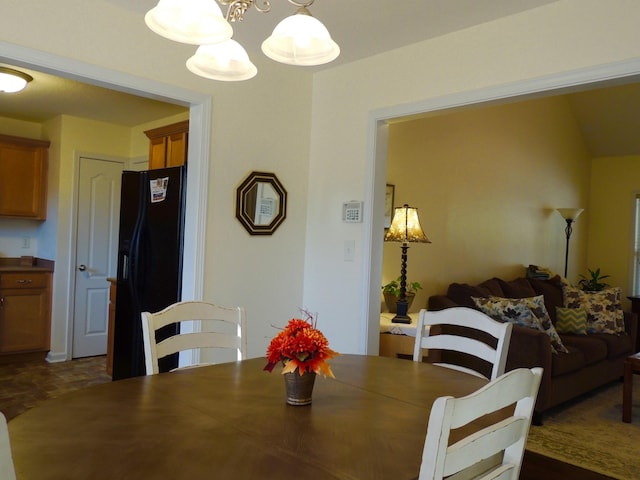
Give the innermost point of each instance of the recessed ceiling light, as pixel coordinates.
(12, 81)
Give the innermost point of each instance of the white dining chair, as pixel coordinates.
(7, 471)
(498, 332)
(478, 454)
(217, 327)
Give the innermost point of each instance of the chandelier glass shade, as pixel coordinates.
(226, 61)
(12, 81)
(297, 40)
(301, 40)
(196, 22)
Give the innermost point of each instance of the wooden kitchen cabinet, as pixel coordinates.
(23, 177)
(168, 145)
(25, 312)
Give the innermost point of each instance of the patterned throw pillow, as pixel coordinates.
(527, 312)
(571, 320)
(604, 308)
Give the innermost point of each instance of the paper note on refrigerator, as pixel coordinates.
(158, 189)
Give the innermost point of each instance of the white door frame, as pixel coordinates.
(197, 179)
(376, 164)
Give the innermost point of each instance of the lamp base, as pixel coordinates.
(402, 306)
(401, 319)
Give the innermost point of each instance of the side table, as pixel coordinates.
(397, 339)
(631, 366)
(635, 308)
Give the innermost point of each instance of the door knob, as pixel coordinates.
(82, 268)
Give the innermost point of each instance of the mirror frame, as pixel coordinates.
(242, 193)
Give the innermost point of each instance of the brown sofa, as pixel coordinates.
(593, 360)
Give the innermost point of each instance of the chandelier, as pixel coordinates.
(297, 40)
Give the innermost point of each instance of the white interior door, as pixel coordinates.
(97, 224)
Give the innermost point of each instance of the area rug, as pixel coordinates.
(590, 433)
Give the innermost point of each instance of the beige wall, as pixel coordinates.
(315, 133)
(261, 124)
(548, 47)
(615, 182)
(487, 182)
(20, 128)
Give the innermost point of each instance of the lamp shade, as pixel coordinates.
(226, 61)
(570, 213)
(405, 227)
(12, 81)
(196, 22)
(301, 40)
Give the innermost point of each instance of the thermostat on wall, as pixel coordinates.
(352, 212)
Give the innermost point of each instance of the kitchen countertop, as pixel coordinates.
(13, 265)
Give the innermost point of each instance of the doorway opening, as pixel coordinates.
(197, 178)
(612, 74)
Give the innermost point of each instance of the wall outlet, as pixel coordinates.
(26, 242)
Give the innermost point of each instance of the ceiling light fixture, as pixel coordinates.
(297, 40)
(12, 81)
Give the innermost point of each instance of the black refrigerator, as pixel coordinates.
(149, 261)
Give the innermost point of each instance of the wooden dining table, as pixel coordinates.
(231, 421)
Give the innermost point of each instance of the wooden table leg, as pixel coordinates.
(626, 392)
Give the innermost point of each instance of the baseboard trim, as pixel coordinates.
(56, 357)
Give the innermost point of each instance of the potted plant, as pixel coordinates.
(303, 351)
(594, 283)
(391, 293)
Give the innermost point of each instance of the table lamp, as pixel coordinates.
(570, 215)
(405, 227)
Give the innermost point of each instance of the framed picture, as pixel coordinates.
(388, 205)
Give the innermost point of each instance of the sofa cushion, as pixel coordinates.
(552, 291)
(527, 312)
(604, 308)
(518, 288)
(571, 361)
(571, 320)
(617, 345)
(461, 293)
(592, 348)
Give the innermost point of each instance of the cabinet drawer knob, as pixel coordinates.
(28, 280)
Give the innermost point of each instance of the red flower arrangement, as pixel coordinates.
(300, 345)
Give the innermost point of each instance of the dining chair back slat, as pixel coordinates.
(217, 327)
(495, 354)
(504, 438)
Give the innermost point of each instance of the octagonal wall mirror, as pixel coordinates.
(261, 203)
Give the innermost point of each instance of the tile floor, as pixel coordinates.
(25, 384)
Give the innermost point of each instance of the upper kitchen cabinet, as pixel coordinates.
(168, 145)
(23, 177)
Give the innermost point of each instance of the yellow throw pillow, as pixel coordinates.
(571, 320)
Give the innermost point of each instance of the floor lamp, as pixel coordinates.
(570, 215)
(405, 227)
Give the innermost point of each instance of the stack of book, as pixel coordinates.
(533, 271)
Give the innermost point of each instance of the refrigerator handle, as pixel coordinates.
(125, 266)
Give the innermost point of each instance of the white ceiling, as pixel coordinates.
(362, 28)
